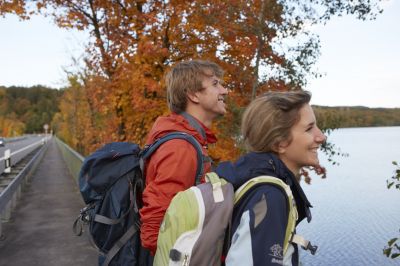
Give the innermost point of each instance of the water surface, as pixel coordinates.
(354, 213)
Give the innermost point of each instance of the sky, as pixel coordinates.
(360, 60)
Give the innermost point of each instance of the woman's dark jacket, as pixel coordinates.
(264, 244)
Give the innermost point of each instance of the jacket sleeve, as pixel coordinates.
(172, 168)
(261, 229)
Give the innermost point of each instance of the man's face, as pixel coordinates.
(211, 99)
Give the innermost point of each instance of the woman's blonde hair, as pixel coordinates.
(185, 78)
(268, 119)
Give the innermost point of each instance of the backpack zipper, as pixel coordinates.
(185, 260)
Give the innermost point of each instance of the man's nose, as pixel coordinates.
(223, 90)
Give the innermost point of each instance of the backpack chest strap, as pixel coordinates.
(305, 244)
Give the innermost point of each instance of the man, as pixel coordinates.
(196, 97)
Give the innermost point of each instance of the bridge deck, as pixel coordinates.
(40, 230)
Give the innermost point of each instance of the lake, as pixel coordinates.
(354, 214)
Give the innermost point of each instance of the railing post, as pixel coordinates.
(14, 201)
(1, 223)
(19, 190)
(6, 215)
(7, 161)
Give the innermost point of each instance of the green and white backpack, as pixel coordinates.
(194, 225)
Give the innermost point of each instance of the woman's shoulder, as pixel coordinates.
(271, 194)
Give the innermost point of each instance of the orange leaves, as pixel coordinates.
(16, 7)
(133, 44)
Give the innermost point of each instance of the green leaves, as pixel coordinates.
(389, 184)
(26, 109)
(391, 241)
(393, 248)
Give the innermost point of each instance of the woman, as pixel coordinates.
(281, 135)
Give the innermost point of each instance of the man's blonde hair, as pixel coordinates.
(185, 78)
(268, 119)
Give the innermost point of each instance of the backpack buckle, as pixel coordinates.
(311, 248)
(84, 214)
(82, 219)
(305, 244)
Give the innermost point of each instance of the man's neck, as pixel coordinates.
(199, 116)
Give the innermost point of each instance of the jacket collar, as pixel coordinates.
(175, 122)
(255, 164)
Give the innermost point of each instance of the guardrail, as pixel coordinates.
(10, 194)
(8, 140)
(18, 155)
(73, 159)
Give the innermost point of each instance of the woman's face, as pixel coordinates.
(306, 140)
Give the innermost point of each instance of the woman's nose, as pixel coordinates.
(321, 138)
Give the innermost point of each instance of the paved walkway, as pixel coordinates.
(40, 230)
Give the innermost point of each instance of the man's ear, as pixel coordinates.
(193, 97)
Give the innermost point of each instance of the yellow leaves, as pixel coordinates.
(11, 127)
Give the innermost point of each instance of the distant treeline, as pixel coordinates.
(357, 116)
(27, 109)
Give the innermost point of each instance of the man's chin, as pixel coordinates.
(222, 112)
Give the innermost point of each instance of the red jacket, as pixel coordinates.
(171, 169)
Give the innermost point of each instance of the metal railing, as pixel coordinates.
(18, 155)
(12, 191)
(9, 140)
(73, 159)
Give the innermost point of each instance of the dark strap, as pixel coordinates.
(82, 220)
(105, 220)
(148, 151)
(193, 122)
(119, 244)
(77, 227)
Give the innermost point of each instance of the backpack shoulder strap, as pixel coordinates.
(148, 151)
(193, 122)
(290, 236)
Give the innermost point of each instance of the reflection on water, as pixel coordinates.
(354, 214)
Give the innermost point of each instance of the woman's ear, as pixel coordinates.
(281, 146)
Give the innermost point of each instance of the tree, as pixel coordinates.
(392, 250)
(73, 121)
(27, 109)
(262, 45)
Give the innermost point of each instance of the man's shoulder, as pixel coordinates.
(175, 148)
(176, 123)
(168, 124)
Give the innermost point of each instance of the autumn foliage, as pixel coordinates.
(121, 91)
(26, 109)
